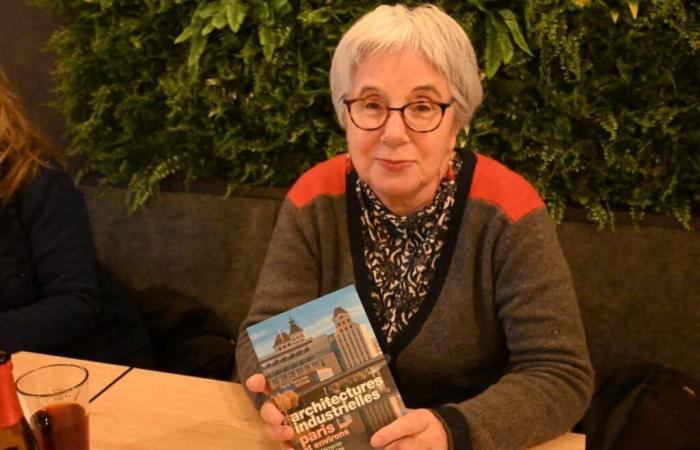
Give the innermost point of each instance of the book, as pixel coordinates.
(327, 373)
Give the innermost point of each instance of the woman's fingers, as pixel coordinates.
(258, 383)
(408, 425)
(275, 427)
(271, 414)
(279, 432)
(418, 429)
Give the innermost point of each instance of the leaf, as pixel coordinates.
(608, 122)
(197, 46)
(268, 40)
(615, 14)
(281, 6)
(492, 55)
(208, 28)
(235, 13)
(207, 10)
(634, 7)
(261, 10)
(315, 16)
(512, 24)
(478, 4)
(187, 33)
(505, 46)
(219, 20)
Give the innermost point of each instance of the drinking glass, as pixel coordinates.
(55, 401)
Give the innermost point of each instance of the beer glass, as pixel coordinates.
(54, 400)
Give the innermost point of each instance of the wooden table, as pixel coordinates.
(154, 410)
(100, 375)
(147, 410)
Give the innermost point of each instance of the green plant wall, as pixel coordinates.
(596, 102)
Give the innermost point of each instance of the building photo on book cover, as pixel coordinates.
(327, 372)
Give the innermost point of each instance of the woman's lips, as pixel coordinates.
(393, 166)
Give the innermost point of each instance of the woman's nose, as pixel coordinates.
(395, 129)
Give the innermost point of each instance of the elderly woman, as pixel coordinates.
(453, 255)
(54, 297)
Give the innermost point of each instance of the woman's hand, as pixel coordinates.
(419, 429)
(273, 418)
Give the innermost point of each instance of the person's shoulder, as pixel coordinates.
(325, 178)
(52, 189)
(53, 172)
(50, 177)
(496, 184)
(51, 200)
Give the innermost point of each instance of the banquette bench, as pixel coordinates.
(638, 286)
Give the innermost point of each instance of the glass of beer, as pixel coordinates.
(54, 400)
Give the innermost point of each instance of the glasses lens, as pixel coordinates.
(368, 113)
(423, 116)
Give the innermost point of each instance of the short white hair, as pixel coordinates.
(425, 29)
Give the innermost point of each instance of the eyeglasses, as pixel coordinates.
(422, 116)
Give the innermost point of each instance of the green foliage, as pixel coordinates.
(604, 116)
(596, 107)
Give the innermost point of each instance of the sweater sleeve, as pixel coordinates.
(549, 380)
(54, 216)
(290, 275)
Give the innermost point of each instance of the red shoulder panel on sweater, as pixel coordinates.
(326, 178)
(496, 184)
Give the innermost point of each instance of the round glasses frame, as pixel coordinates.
(443, 106)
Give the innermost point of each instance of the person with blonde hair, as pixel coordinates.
(54, 296)
(453, 255)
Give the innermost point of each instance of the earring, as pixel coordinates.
(450, 175)
(348, 164)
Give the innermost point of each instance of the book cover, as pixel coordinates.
(327, 372)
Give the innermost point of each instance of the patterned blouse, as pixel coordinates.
(401, 252)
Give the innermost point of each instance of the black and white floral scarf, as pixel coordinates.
(401, 253)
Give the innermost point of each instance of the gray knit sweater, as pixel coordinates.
(497, 349)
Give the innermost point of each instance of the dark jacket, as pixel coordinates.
(54, 296)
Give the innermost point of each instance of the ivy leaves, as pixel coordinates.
(502, 30)
(217, 15)
(595, 113)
